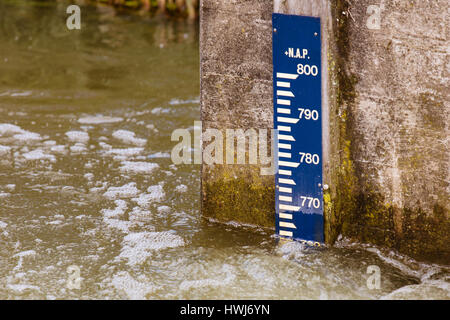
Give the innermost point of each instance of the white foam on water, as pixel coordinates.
(292, 250)
(155, 193)
(179, 101)
(433, 277)
(409, 266)
(27, 253)
(27, 136)
(4, 150)
(100, 186)
(255, 269)
(3, 225)
(4, 194)
(138, 167)
(163, 209)
(224, 280)
(152, 127)
(427, 290)
(104, 145)
(20, 289)
(38, 154)
(126, 191)
(58, 149)
(181, 188)
(138, 247)
(17, 133)
(133, 289)
(10, 187)
(118, 211)
(189, 284)
(21, 94)
(159, 155)
(78, 136)
(127, 152)
(129, 137)
(160, 110)
(99, 119)
(117, 224)
(50, 143)
(139, 216)
(55, 222)
(7, 129)
(20, 275)
(78, 148)
(144, 200)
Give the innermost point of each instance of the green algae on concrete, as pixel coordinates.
(238, 193)
(387, 120)
(356, 206)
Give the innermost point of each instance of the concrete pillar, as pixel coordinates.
(385, 116)
(236, 93)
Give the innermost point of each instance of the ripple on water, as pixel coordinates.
(138, 167)
(99, 119)
(128, 190)
(129, 137)
(138, 247)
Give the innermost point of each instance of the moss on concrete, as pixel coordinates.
(421, 236)
(354, 207)
(239, 193)
(339, 201)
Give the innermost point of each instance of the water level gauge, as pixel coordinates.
(297, 117)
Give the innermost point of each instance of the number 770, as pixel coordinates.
(315, 202)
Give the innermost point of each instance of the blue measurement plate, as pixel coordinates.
(298, 119)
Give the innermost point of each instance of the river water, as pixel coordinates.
(91, 206)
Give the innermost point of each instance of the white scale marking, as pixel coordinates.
(284, 128)
(283, 84)
(285, 198)
(284, 155)
(286, 181)
(289, 207)
(285, 137)
(287, 120)
(288, 164)
(285, 93)
(284, 102)
(284, 146)
(284, 110)
(284, 189)
(285, 233)
(287, 225)
(290, 76)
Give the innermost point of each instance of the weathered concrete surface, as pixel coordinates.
(386, 116)
(236, 92)
(392, 112)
